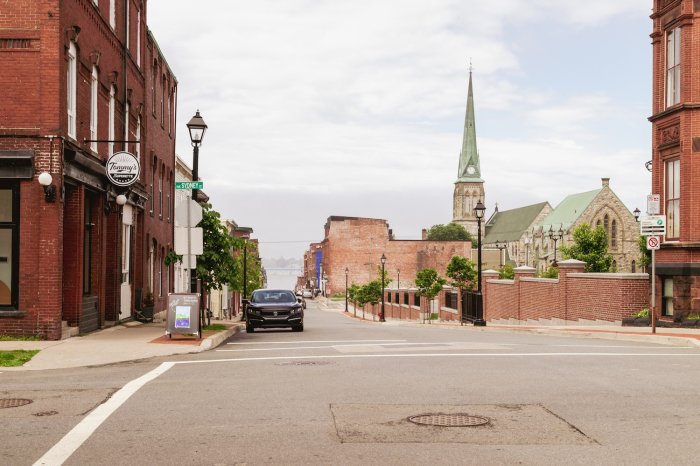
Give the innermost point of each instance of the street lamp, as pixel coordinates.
(398, 279)
(498, 245)
(479, 211)
(636, 214)
(197, 128)
(555, 237)
(45, 180)
(383, 259)
(346, 289)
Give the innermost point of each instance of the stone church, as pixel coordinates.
(469, 187)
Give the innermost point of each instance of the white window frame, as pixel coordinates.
(138, 38)
(673, 66)
(160, 192)
(128, 24)
(94, 86)
(110, 136)
(113, 13)
(672, 188)
(170, 97)
(70, 84)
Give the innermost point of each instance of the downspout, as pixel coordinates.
(126, 48)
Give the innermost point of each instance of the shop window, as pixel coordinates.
(9, 245)
(673, 67)
(667, 297)
(673, 202)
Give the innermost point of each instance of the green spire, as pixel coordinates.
(469, 157)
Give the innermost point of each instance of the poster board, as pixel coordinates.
(183, 314)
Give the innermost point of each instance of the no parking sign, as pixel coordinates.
(653, 243)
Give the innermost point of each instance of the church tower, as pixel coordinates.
(469, 187)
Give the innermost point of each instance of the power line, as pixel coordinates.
(279, 242)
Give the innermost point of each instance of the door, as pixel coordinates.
(125, 295)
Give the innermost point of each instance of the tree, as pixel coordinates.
(551, 272)
(383, 276)
(429, 284)
(253, 270)
(644, 259)
(450, 232)
(463, 272)
(506, 272)
(590, 246)
(353, 291)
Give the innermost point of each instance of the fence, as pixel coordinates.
(472, 308)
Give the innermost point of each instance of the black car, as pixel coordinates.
(273, 309)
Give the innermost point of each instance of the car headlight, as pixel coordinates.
(252, 310)
(296, 310)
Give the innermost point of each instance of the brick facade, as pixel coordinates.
(676, 136)
(34, 118)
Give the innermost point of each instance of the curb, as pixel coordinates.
(218, 338)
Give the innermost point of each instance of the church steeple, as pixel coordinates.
(469, 166)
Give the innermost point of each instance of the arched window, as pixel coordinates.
(614, 264)
(613, 239)
(606, 225)
(597, 224)
(634, 267)
(153, 178)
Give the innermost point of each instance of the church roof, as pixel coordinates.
(510, 225)
(568, 211)
(469, 155)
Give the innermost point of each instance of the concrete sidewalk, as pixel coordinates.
(127, 342)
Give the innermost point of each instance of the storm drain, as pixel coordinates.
(13, 402)
(449, 420)
(304, 363)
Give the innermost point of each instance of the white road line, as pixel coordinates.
(60, 452)
(599, 346)
(330, 346)
(292, 342)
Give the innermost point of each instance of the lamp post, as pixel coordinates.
(636, 214)
(398, 279)
(197, 128)
(245, 270)
(555, 237)
(346, 289)
(500, 248)
(383, 259)
(479, 211)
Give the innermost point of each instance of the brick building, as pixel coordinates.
(357, 244)
(676, 152)
(72, 71)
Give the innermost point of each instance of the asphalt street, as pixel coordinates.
(341, 393)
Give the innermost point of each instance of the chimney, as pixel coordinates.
(606, 182)
(425, 234)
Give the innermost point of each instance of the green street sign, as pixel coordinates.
(189, 185)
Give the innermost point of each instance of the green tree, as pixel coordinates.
(450, 232)
(384, 277)
(644, 259)
(463, 273)
(551, 272)
(253, 270)
(353, 291)
(506, 272)
(429, 284)
(590, 246)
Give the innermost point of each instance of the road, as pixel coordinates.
(550, 401)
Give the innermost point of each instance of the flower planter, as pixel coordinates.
(145, 314)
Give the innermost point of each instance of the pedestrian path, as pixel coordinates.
(116, 344)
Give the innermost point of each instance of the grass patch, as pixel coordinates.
(693, 317)
(643, 313)
(22, 338)
(215, 327)
(16, 358)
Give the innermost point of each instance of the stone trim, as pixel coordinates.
(502, 282)
(545, 280)
(448, 309)
(612, 276)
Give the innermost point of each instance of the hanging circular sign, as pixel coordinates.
(123, 169)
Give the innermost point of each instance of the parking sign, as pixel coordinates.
(653, 243)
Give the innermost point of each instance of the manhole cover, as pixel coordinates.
(305, 363)
(13, 402)
(47, 413)
(449, 420)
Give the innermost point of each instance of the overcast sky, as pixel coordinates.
(319, 108)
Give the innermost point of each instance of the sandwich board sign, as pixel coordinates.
(183, 314)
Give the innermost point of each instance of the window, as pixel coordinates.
(70, 84)
(160, 191)
(170, 98)
(170, 180)
(138, 138)
(162, 104)
(126, 253)
(138, 39)
(150, 266)
(153, 179)
(110, 130)
(128, 25)
(673, 67)
(416, 300)
(673, 194)
(113, 13)
(405, 299)
(153, 89)
(388, 298)
(93, 109)
(397, 299)
(9, 244)
(160, 272)
(597, 224)
(634, 266)
(606, 225)
(87, 242)
(613, 234)
(667, 297)
(614, 265)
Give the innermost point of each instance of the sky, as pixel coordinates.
(318, 108)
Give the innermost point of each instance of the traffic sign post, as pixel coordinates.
(653, 243)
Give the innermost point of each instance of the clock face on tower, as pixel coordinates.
(471, 170)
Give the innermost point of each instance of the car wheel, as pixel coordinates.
(249, 328)
(298, 328)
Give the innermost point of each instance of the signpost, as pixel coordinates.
(653, 204)
(651, 226)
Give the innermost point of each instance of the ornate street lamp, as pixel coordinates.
(479, 211)
(383, 259)
(346, 289)
(636, 214)
(197, 128)
(500, 248)
(245, 270)
(555, 237)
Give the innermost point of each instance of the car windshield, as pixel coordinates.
(265, 296)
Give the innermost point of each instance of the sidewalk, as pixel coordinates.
(127, 342)
(681, 337)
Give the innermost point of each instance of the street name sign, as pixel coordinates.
(189, 185)
(652, 225)
(653, 243)
(653, 204)
(195, 213)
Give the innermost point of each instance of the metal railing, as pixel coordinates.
(451, 300)
(472, 306)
